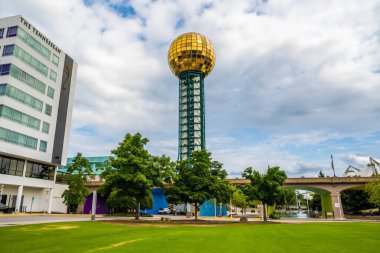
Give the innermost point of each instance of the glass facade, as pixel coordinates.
(17, 138)
(22, 97)
(45, 127)
(50, 92)
(3, 89)
(8, 50)
(48, 109)
(97, 164)
(33, 43)
(1, 33)
(30, 60)
(27, 79)
(191, 51)
(53, 75)
(39, 170)
(55, 60)
(4, 69)
(43, 146)
(19, 117)
(12, 31)
(11, 166)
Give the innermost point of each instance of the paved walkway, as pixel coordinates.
(25, 219)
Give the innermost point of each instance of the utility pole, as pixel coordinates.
(93, 211)
(332, 165)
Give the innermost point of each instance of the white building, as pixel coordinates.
(37, 84)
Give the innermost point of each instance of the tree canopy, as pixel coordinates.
(78, 171)
(133, 172)
(266, 187)
(355, 200)
(321, 174)
(197, 180)
(373, 189)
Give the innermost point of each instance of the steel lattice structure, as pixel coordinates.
(191, 113)
(191, 57)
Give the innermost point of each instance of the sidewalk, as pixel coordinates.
(36, 218)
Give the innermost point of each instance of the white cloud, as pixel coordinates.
(301, 73)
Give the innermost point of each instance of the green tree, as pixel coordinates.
(290, 197)
(133, 172)
(197, 180)
(239, 199)
(266, 187)
(121, 203)
(79, 171)
(321, 174)
(373, 188)
(315, 202)
(118, 202)
(355, 200)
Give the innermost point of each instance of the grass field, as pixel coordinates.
(165, 237)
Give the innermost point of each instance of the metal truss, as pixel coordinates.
(191, 114)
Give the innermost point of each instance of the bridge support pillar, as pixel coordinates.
(337, 205)
(326, 203)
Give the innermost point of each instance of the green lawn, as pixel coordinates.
(237, 238)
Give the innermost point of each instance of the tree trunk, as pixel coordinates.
(137, 210)
(196, 210)
(265, 212)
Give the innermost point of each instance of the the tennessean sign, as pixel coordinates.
(40, 35)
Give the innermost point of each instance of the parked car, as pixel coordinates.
(177, 212)
(5, 208)
(164, 211)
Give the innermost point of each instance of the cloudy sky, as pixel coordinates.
(294, 81)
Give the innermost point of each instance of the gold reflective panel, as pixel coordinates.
(191, 51)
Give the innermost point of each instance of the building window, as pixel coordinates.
(3, 89)
(48, 109)
(11, 166)
(33, 43)
(4, 69)
(30, 60)
(23, 97)
(55, 60)
(45, 127)
(17, 138)
(19, 117)
(12, 31)
(5, 162)
(1, 33)
(53, 75)
(43, 146)
(27, 79)
(50, 92)
(38, 170)
(8, 50)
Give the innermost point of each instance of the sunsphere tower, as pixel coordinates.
(191, 57)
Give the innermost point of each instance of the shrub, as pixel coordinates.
(274, 216)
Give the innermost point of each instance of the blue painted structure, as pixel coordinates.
(159, 201)
(208, 209)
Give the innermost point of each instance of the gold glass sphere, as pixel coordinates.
(191, 51)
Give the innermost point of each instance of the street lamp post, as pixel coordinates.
(307, 202)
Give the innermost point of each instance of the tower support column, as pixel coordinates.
(191, 113)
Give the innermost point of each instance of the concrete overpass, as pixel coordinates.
(328, 188)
